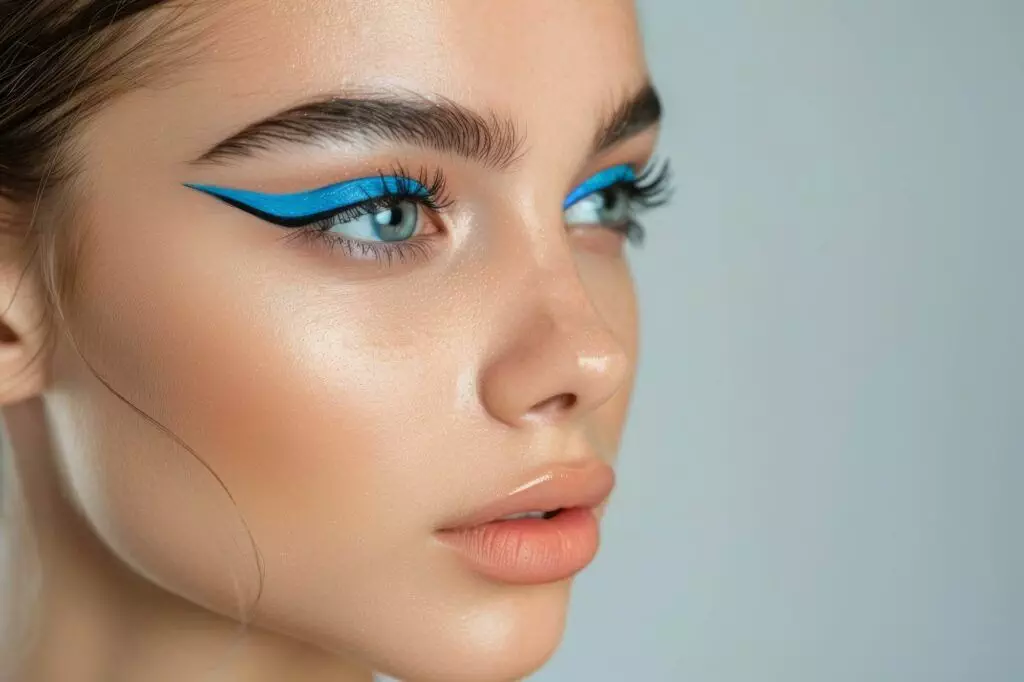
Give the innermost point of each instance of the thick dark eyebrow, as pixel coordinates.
(632, 117)
(441, 124)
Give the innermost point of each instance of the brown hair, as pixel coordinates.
(61, 60)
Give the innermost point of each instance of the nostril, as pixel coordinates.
(563, 402)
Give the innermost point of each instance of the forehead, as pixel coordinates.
(525, 57)
(467, 44)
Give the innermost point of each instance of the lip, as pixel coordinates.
(534, 550)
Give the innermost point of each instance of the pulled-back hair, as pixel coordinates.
(60, 61)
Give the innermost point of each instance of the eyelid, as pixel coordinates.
(599, 181)
(318, 201)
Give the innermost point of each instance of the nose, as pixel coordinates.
(556, 361)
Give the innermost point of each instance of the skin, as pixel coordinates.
(350, 408)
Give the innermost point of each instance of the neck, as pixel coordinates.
(71, 611)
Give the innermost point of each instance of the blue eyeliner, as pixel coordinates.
(317, 202)
(300, 208)
(599, 181)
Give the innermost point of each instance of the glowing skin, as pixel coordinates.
(352, 400)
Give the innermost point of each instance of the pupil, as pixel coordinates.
(614, 205)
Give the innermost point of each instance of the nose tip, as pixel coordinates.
(552, 376)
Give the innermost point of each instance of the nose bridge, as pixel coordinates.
(550, 292)
(560, 295)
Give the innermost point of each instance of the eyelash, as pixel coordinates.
(651, 189)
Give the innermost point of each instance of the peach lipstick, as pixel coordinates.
(543, 531)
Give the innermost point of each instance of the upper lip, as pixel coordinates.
(585, 483)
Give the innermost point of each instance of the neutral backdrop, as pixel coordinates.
(822, 478)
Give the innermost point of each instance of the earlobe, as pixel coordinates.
(23, 320)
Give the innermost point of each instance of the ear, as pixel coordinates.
(23, 307)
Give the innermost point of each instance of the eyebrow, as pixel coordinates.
(441, 124)
(632, 117)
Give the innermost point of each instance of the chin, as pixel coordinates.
(506, 637)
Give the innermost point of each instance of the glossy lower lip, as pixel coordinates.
(529, 551)
(534, 550)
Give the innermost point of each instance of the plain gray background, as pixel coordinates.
(821, 480)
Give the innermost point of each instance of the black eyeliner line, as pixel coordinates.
(298, 221)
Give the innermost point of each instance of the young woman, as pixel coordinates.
(318, 330)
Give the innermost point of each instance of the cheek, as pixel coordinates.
(325, 421)
(304, 405)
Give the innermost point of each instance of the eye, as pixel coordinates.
(604, 199)
(610, 206)
(387, 217)
(612, 198)
(394, 223)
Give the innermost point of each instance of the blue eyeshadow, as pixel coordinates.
(599, 181)
(317, 201)
(328, 199)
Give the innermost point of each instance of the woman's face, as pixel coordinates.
(360, 391)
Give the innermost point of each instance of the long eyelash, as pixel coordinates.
(436, 198)
(651, 189)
